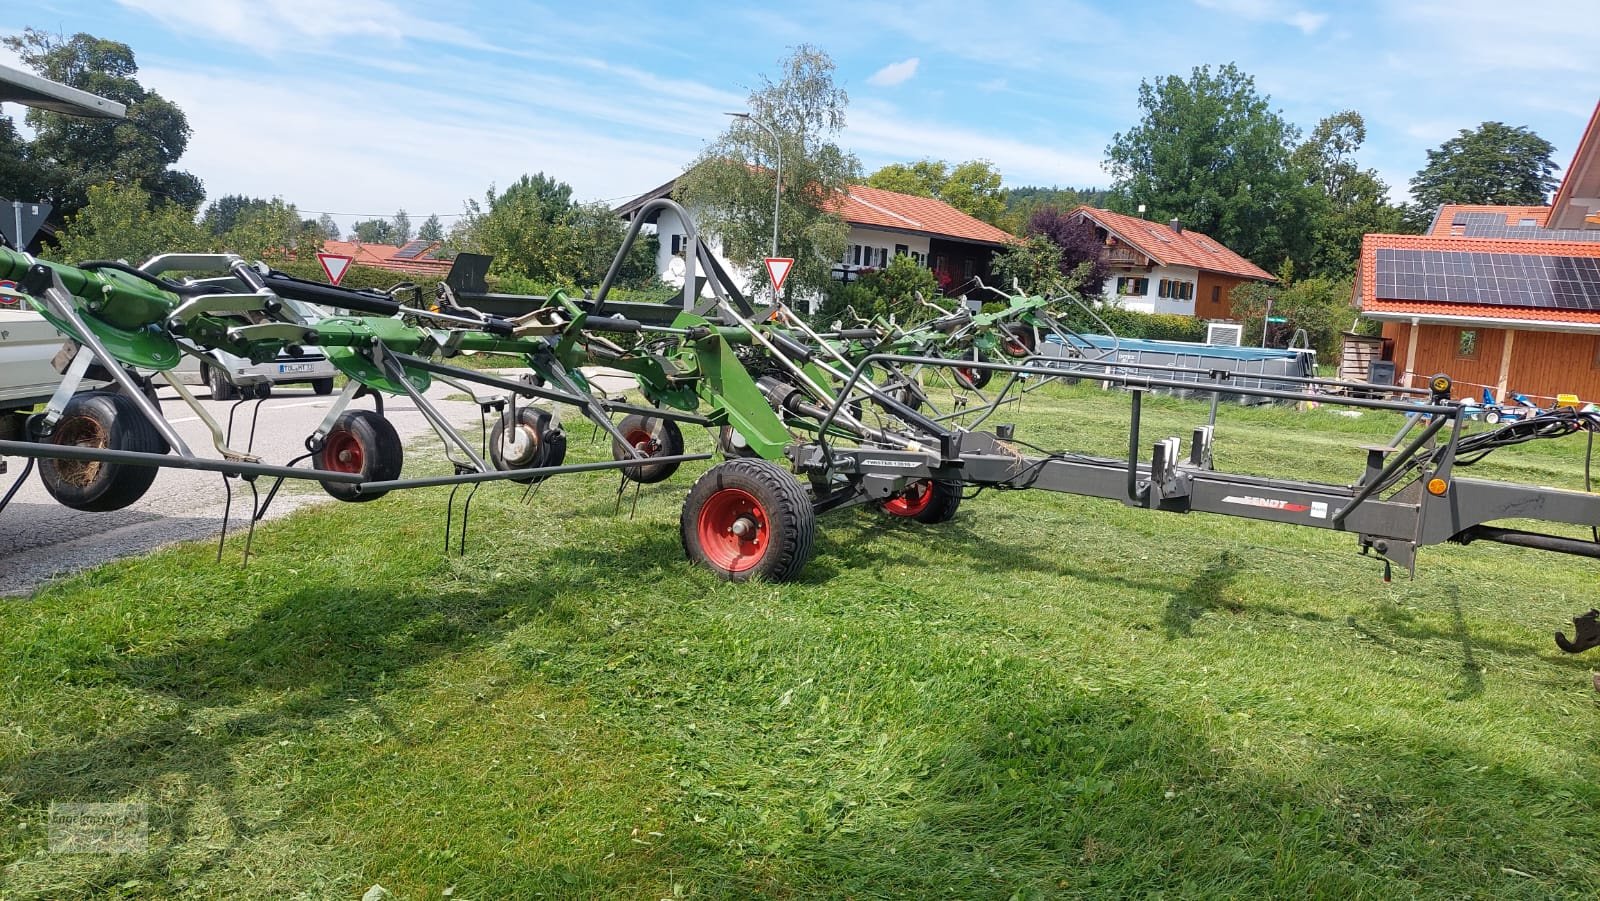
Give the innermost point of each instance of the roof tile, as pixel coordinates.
(875, 207)
(1180, 248)
(1369, 273)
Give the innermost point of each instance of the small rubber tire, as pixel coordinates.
(655, 437)
(764, 500)
(361, 441)
(322, 387)
(221, 388)
(108, 421)
(1018, 341)
(973, 378)
(926, 501)
(732, 451)
(1492, 417)
(547, 444)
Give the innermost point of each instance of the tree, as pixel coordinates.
(273, 230)
(224, 213)
(891, 290)
(1354, 201)
(374, 231)
(122, 222)
(1210, 152)
(431, 230)
(1320, 305)
(1494, 164)
(973, 187)
(402, 227)
(1080, 247)
(328, 227)
(21, 178)
(1034, 265)
(730, 186)
(535, 231)
(1022, 203)
(74, 154)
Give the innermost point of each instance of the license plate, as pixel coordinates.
(294, 367)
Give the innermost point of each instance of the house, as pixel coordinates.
(882, 223)
(1158, 268)
(413, 258)
(1499, 297)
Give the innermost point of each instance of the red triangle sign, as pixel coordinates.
(335, 265)
(778, 270)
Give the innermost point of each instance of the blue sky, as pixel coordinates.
(359, 107)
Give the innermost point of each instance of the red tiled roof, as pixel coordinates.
(1582, 169)
(1370, 302)
(381, 256)
(1175, 248)
(877, 208)
(1514, 215)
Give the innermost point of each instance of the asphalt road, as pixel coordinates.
(40, 539)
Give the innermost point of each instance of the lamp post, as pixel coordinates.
(777, 194)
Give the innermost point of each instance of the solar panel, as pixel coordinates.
(1493, 225)
(412, 249)
(1499, 279)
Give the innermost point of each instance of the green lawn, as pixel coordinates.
(1047, 696)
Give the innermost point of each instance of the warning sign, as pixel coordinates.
(335, 265)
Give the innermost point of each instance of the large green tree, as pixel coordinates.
(123, 222)
(1353, 201)
(373, 231)
(534, 230)
(1211, 152)
(973, 187)
(72, 154)
(730, 186)
(224, 213)
(1492, 164)
(431, 229)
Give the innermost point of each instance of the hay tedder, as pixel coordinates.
(807, 420)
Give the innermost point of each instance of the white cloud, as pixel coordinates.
(271, 25)
(1270, 11)
(877, 131)
(895, 73)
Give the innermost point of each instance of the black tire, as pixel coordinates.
(361, 441)
(761, 498)
(111, 422)
(1019, 341)
(322, 387)
(973, 378)
(541, 443)
(732, 451)
(654, 436)
(221, 388)
(925, 501)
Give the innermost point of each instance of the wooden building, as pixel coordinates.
(1504, 298)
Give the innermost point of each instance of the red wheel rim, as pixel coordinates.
(733, 530)
(342, 452)
(913, 500)
(1016, 347)
(968, 376)
(642, 441)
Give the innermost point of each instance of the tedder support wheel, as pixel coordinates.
(749, 518)
(110, 422)
(535, 442)
(973, 378)
(1018, 341)
(732, 446)
(360, 441)
(926, 501)
(322, 387)
(651, 436)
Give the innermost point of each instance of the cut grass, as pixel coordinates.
(1048, 695)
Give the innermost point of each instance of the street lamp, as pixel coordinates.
(777, 195)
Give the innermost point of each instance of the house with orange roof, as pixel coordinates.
(1503, 298)
(413, 258)
(883, 224)
(1166, 268)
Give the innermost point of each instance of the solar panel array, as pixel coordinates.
(1493, 225)
(412, 250)
(1499, 279)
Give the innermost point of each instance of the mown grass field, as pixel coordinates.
(1049, 696)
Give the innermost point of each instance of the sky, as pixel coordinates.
(361, 107)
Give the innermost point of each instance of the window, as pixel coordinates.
(1527, 222)
(883, 257)
(1129, 285)
(1467, 344)
(1216, 294)
(677, 243)
(1175, 290)
(901, 250)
